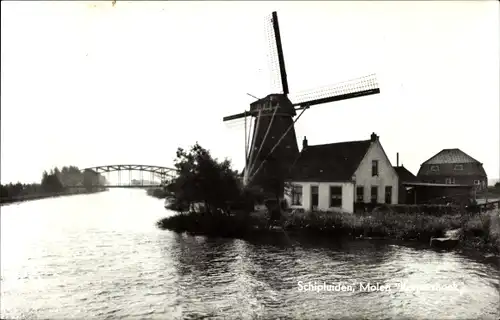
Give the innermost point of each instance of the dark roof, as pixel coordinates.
(446, 159)
(452, 156)
(405, 175)
(329, 162)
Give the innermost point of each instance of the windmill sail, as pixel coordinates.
(358, 87)
(275, 54)
(271, 148)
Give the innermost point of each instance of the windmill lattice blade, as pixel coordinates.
(281, 58)
(273, 57)
(236, 123)
(340, 91)
(236, 116)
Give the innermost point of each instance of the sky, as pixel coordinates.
(89, 83)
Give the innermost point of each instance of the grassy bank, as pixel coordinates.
(480, 231)
(29, 197)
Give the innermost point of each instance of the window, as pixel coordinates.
(296, 195)
(449, 180)
(477, 184)
(360, 194)
(388, 194)
(435, 168)
(458, 167)
(374, 194)
(335, 196)
(314, 196)
(374, 168)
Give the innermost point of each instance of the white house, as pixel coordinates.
(335, 176)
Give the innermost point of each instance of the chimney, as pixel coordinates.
(397, 159)
(304, 143)
(373, 137)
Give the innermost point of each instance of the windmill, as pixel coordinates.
(273, 146)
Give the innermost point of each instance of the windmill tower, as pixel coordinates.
(273, 147)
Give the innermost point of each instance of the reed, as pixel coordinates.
(482, 231)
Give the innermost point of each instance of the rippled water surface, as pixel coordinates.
(100, 256)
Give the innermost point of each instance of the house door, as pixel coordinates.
(388, 194)
(374, 194)
(314, 197)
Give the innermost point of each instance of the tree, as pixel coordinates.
(4, 192)
(45, 177)
(57, 173)
(90, 180)
(204, 179)
(50, 182)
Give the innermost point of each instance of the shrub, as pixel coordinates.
(159, 193)
(213, 224)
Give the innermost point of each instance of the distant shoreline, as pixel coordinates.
(29, 197)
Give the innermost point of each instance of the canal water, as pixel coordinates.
(100, 256)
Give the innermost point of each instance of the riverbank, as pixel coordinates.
(29, 197)
(478, 231)
(110, 236)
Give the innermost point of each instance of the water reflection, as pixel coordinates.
(101, 257)
(261, 279)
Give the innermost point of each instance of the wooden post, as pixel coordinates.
(246, 143)
(245, 173)
(486, 191)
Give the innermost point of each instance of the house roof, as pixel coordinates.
(329, 162)
(405, 175)
(446, 159)
(452, 156)
(440, 185)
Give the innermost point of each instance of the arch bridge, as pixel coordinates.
(155, 175)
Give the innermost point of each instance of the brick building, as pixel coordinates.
(453, 166)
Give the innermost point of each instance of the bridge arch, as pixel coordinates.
(164, 173)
